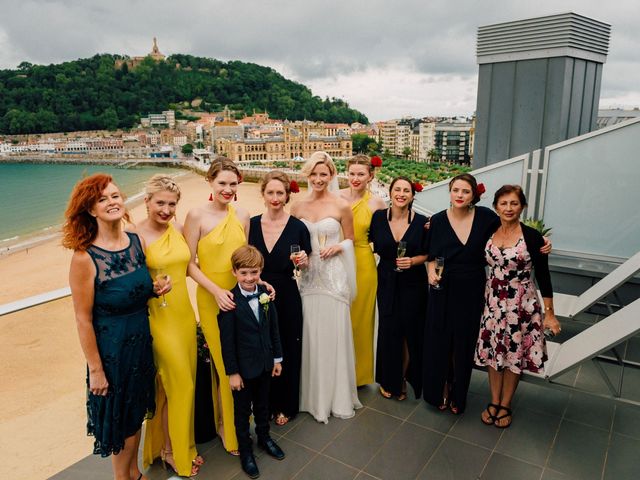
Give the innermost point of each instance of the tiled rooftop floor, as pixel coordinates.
(555, 434)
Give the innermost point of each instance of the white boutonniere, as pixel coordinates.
(264, 301)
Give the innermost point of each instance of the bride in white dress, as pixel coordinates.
(327, 287)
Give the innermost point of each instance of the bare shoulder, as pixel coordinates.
(194, 215)
(344, 193)
(342, 203)
(178, 226)
(81, 263)
(242, 214)
(376, 203)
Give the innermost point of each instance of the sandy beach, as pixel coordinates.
(43, 417)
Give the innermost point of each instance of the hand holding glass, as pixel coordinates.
(295, 252)
(161, 278)
(439, 270)
(402, 250)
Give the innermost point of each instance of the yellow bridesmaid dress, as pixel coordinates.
(364, 305)
(214, 257)
(173, 329)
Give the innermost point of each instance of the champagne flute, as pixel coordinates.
(322, 239)
(295, 251)
(161, 277)
(439, 270)
(402, 249)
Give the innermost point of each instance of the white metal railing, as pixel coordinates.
(33, 301)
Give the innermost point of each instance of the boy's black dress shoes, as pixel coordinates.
(272, 448)
(249, 466)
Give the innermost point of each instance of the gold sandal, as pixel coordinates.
(384, 393)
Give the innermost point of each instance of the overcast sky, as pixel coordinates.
(386, 58)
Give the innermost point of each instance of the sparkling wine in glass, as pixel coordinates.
(402, 250)
(322, 239)
(161, 277)
(295, 253)
(439, 270)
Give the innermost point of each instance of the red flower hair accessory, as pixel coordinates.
(417, 186)
(480, 189)
(376, 161)
(294, 187)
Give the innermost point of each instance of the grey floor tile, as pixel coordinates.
(530, 436)
(543, 399)
(579, 450)
(622, 458)
(549, 474)
(417, 445)
(471, 429)
(479, 382)
(315, 435)
(446, 463)
(590, 410)
(631, 385)
(219, 464)
(296, 458)
(368, 393)
(627, 420)
(290, 425)
(365, 476)
(324, 468)
(391, 406)
(361, 440)
(499, 464)
(428, 416)
(591, 380)
(71, 474)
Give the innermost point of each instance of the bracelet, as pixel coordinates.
(548, 309)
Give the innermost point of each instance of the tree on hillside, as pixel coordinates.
(363, 143)
(406, 152)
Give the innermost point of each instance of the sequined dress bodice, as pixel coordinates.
(326, 276)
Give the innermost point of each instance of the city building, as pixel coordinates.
(166, 118)
(609, 117)
(133, 62)
(296, 140)
(452, 139)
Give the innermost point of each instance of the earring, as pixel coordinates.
(235, 197)
(211, 197)
(471, 206)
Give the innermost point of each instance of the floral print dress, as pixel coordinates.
(511, 333)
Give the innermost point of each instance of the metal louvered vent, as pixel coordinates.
(566, 34)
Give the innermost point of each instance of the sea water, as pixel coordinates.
(33, 197)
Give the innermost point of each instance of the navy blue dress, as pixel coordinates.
(402, 303)
(121, 325)
(278, 271)
(454, 312)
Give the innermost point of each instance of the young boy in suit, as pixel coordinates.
(252, 354)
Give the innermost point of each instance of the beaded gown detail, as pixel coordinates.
(121, 324)
(327, 377)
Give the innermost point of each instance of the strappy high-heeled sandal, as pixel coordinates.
(167, 459)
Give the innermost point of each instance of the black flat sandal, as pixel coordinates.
(492, 418)
(500, 417)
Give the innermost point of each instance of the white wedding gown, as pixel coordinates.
(327, 377)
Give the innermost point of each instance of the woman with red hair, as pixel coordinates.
(110, 286)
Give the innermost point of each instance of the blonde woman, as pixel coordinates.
(170, 435)
(327, 287)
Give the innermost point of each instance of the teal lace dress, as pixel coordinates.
(121, 324)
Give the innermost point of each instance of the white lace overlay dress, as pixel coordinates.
(327, 377)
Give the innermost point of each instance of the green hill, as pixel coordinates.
(91, 94)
